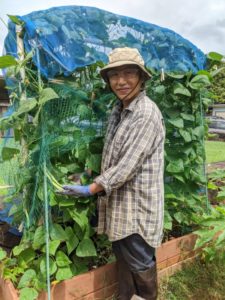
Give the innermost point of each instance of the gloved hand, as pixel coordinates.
(76, 190)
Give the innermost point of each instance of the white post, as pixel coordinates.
(20, 48)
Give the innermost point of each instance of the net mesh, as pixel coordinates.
(75, 36)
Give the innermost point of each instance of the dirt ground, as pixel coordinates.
(214, 166)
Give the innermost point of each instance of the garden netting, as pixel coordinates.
(75, 36)
(59, 115)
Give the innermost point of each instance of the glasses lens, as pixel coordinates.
(128, 72)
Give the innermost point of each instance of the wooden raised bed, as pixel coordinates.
(101, 283)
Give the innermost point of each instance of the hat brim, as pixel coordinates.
(104, 70)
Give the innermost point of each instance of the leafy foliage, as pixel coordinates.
(218, 85)
(182, 99)
(217, 66)
(211, 232)
(61, 124)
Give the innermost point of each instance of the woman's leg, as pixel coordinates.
(141, 265)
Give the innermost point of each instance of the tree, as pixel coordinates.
(218, 85)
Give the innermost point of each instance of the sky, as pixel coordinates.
(202, 22)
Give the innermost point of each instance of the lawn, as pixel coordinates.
(215, 151)
(199, 280)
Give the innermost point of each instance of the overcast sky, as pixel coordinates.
(200, 21)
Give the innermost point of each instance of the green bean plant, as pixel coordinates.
(211, 231)
(59, 128)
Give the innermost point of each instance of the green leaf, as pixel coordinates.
(172, 113)
(84, 112)
(215, 56)
(179, 217)
(89, 132)
(80, 219)
(7, 61)
(94, 162)
(64, 273)
(159, 89)
(18, 249)
(187, 117)
(180, 89)
(86, 248)
(168, 221)
(204, 72)
(28, 294)
(36, 117)
(47, 95)
(199, 82)
(205, 235)
(175, 75)
(9, 153)
(176, 166)
(26, 279)
(39, 237)
(81, 152)
(52, 266)
(66, 202)
(212, 186)
(53, 246)
(3, 254)
(40, 193)
(81, 95)
(72, 240)
(57, 232)
(15, 20)
(26, 257)
(79, 231)
(217, 71)
(186, 135)
(207, 101)
(179, 177)
(25, 106)
(177, 122)
(62, 260)
(199, 132)
(198, 177)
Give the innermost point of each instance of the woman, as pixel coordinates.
(131, 205)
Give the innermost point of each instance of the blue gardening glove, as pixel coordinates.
(76, 190)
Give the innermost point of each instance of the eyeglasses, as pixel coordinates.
(127, 73)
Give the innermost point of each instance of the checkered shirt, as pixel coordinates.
(132, 173)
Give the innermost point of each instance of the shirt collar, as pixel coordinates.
(132, 105)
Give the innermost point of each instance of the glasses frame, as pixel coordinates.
(128, 72)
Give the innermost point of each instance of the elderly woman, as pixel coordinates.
(131, 201)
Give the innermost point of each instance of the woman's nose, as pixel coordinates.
(121, 78)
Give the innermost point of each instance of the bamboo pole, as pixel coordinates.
(20, 49)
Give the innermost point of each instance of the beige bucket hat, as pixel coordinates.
(124, 56)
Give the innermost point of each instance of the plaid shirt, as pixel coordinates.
(132, 173)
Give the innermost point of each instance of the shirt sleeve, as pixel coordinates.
(133, 153)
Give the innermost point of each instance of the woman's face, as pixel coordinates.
(125, 82)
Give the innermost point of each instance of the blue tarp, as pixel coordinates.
(69, 37)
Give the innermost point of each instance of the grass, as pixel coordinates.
(199, 280)
(215, 152)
